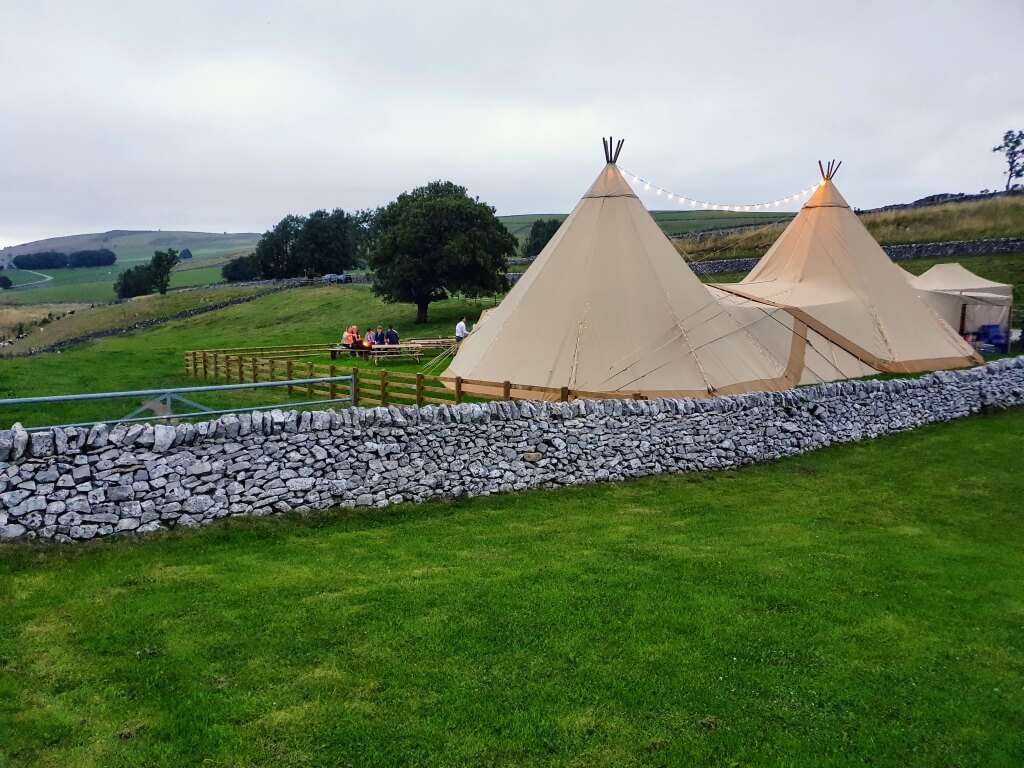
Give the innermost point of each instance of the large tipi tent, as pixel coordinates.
(827, 271)
(963, 299)
(609, 306)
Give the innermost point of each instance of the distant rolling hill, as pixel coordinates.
(137, 245)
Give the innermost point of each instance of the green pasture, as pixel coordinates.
(154, 357)
(138, 245)
(96, 284)
(86, 320)
(859, 605)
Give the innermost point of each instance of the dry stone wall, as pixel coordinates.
(71, 485)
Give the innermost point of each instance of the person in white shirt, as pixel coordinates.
(460, 330)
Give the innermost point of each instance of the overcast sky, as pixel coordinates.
(225, 116)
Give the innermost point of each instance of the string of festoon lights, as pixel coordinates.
(694, 202)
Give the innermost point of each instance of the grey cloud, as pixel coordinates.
(226, 116)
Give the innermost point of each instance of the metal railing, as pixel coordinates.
(161, 401)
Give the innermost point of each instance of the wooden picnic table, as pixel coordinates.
(413, 349)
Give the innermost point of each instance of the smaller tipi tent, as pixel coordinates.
(829, 272)
(965, 300)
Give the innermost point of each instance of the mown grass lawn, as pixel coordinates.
(862, 605)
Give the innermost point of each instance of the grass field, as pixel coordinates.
(209, 252)
(86, 320)
(860, 605)
(27, 316)
(96, 284)
(153, 358)
(138, 245)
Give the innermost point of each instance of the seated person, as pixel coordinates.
(379, 336)
(370, 338)
(391, 337)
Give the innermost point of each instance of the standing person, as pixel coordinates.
(460, 331)
(391, 337)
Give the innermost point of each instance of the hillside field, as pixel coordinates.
(972, 220)
(154, 357)
(131, 245)
(859, 605)
(93, 284)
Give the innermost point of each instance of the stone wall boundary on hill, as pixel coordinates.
(955, 249)
(71, 485)
(151, 323)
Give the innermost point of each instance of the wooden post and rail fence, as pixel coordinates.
(377, 387)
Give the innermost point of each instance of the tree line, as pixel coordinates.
(101, 257)
(143, 279)
(427, 244)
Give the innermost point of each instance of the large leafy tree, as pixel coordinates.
(325, 243)
(1013, 148)
(437, 240)
(160, 267)
(541, 231)
(318, 244)
(277, 250)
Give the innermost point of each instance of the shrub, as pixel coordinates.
(185, 254)
(241, 269)
(137, 281)
(5, 282)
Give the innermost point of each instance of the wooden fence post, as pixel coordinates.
(288, 374)
(458, 390)
(255, 371)
(419, 389)
(563, 394)
(216, 373)
(241, 376)
(195, 368)
(333, 388)
(384, 388)
(506, 390)
(309, 375)
(355, 387)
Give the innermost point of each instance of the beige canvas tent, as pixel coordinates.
(963, 299)
(609, 306)
(827, 271)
